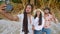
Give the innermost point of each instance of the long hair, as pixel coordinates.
(40, 18)
(25, 20)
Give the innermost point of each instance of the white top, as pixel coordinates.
(21, 16)
(36, 26)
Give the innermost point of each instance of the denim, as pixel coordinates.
(46, 30)
(37, 31)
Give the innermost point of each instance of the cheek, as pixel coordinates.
(38, 13)
(28, 10)
(45, 11)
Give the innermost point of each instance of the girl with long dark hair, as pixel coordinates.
(26, 19)
(38, 21)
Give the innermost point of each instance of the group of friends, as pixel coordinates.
(40, 23)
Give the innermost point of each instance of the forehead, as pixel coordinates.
(46, 10)
(38, 11)
(29, 6)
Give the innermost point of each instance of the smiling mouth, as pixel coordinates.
(27, 10)
(3, 8)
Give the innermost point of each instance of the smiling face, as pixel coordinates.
(3, 6)
(46, 11)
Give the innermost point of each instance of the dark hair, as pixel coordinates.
(40, 18)
(46, 8)
(25, 20)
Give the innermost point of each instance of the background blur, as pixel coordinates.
(17, 7)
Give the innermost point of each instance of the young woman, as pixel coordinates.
(26, 19)
(38, 21)
(48, 19)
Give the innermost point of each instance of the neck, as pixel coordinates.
(37, 15)
(28, 14)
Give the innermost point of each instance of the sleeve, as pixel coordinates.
(20, 16)
(34, 21)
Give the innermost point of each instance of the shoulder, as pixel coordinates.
(20, 15)
(50, 15)
(32, 17)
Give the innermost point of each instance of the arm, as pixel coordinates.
(9, 16)
(54, 19)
